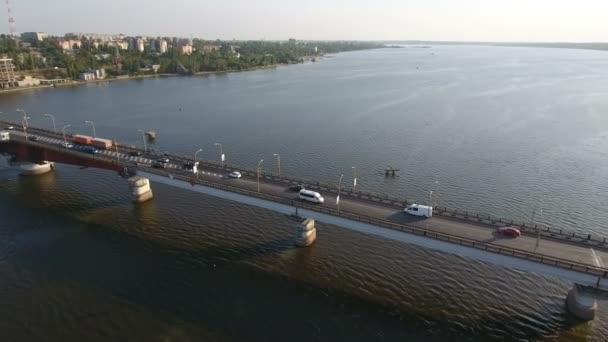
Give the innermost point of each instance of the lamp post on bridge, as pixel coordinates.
(53, 119)
(354, 177)
(25, 117)
(65, 142)
(92, 124)
(24, 124)
(278, 162)
(143, 136)
(222, 156)
(258, 171)
(194, 167)
(339, 187)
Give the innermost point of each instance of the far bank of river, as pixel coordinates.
(72, 83)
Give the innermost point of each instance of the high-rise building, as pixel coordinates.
(163, 46)
(152, 45)
(140, 45)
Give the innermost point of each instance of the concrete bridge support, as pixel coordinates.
(31, 169)
(580, 304)
(140, 189)
(306, 233)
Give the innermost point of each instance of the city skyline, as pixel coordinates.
(465, 20)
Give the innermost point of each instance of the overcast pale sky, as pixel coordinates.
(470, 20)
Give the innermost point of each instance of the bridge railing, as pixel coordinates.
(473, 217)
(508, 251)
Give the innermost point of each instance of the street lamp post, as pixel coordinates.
(25, 117)
(143, 136)
(65, 142)
(53, 119)
(278, 162)
(354, 178)
(222, 157)
(339, 187)
(92, 124)
(258, 169)
(24, 124)
(194, 167)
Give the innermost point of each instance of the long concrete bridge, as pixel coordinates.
(581, 259)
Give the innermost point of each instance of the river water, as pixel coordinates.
(504, 131)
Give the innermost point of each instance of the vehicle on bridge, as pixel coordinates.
(67, 145)
(82, 139)
(419, 210)
(135, 154)
(235, 174)
(311, 196)
(103, 144)
(33, 138)
(90, 149)
(509, 231)
(159, 164)
(10, 127)
(5, 136)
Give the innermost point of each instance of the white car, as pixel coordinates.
(235, 174)
(10, 127)
(67, 145)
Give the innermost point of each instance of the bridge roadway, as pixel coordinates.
(567, 251)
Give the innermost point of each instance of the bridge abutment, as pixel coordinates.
(140, 189)
(32, 169)
(306, 233)
(581, 304)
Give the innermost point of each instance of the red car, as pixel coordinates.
(509, 231)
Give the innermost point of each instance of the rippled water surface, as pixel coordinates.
(503, 130)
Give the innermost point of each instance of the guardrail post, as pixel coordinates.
(589, 237)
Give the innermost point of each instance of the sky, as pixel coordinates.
(446, 20)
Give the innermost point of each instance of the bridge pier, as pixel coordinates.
(581, 304)
(306, 233)
(140, 189)
(31, 169)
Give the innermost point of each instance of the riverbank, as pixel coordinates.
(138, 77)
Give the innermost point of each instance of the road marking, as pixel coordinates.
(598, 261)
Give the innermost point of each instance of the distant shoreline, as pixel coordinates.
(599, 46)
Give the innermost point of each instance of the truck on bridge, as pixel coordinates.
(93, 142)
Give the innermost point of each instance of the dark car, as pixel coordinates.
(157, 164)
(189, 165)
(136, 154)
(33, 138)
(297, 187)
(91, 150)
(163, 160)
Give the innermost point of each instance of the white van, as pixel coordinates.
(311, 196)
(419, 210)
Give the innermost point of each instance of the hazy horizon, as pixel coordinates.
(383, 20)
